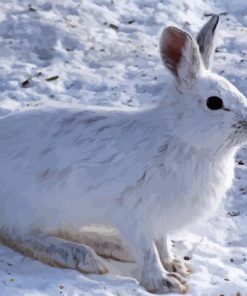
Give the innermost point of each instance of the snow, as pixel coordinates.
(105, 52)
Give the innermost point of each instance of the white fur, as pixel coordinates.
(146, 172)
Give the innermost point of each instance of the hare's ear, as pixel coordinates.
(180, 54)
(206, 40)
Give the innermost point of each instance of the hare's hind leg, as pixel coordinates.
(58, 252)
(105, 241)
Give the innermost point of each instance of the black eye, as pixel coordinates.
(214, 103)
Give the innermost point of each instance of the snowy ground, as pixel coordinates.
(104, 52)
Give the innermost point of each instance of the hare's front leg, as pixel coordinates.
(58, 252)
(153, 276)
(170, 263)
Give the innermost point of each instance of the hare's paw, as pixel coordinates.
(165, 283)
(58, 252)
(84, 259)
(106, 242)
(177, 266)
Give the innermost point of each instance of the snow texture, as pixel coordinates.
(105, 52)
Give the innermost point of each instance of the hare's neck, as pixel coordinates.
(173, 152)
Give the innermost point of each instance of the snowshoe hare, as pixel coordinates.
(145, 172)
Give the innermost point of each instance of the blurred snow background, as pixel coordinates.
(105, 52)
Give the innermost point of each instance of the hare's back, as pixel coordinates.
(38, 141)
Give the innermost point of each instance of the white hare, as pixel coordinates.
(145, 172)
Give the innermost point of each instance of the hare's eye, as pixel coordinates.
(214, 103)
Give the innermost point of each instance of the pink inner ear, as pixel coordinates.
(172, 43)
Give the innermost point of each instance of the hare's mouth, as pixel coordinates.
(234, 140)
(240, 129)
(238, 136)
(239, 126)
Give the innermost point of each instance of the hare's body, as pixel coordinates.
(145, 172)
(113, 163)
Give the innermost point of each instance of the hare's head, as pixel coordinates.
(208, 111)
